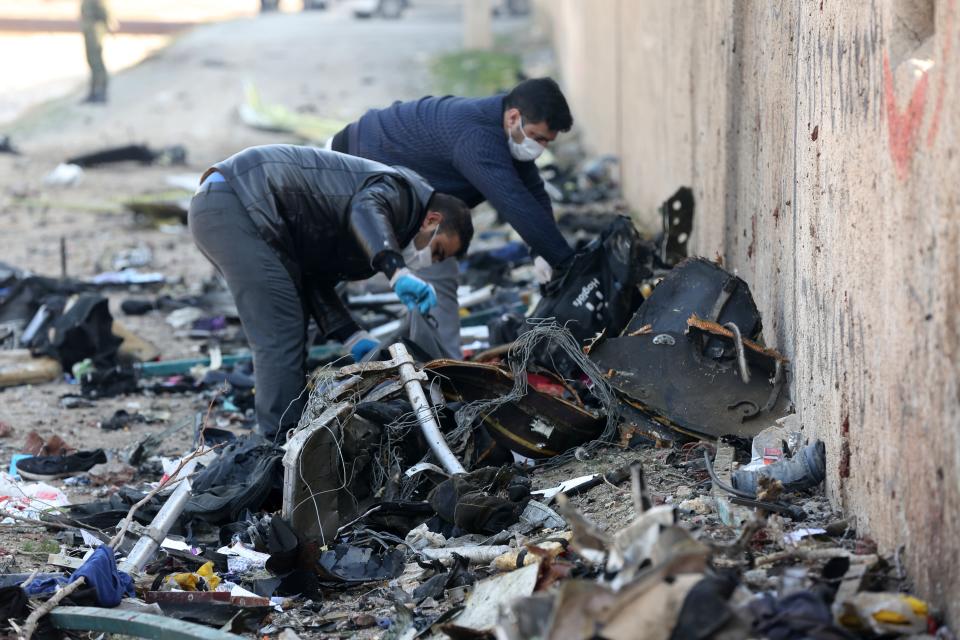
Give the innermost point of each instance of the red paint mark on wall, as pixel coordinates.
(843, 469)
(903, 126)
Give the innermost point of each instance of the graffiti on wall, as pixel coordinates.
(904, 124)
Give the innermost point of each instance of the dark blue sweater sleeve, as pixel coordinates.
(485, 162)
(530, 175)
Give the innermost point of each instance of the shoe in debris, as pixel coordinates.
(806, 470)
(54, 467)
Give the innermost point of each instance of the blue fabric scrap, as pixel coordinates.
(45, 586)
(100, 571)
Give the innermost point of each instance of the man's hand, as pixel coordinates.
(361, 344)
(412, 291)
(542, 270)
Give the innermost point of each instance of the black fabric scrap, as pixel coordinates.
(85, 330)
(398, 517)
(798, 616)
(108, 383)
(134, 307)
(350, 564)
(457, 576)
(226, 502)
(283, 544)
(235, 463)
(13, 603)
(705, 610)
(13, 607)
(484, 501)
(120, 419)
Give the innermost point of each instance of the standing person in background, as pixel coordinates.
(95, 23)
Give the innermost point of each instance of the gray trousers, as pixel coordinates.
(444, 339)
(268, 301)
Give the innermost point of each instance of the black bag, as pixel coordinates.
(598, 291)
(85, 330)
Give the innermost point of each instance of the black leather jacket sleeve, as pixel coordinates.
(332, 316)
(371, 215)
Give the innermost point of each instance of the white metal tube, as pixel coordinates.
(478, 554)
(428, 424)
(147, 545)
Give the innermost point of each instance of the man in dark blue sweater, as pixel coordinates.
(475, 149)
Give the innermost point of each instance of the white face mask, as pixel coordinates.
(417, 259)
(527, 150)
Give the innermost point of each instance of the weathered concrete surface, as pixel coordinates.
(822, 141)
(591, 58)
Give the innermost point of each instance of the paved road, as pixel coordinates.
(58, 25)
(324, 62)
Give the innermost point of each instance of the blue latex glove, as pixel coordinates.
(360, 344)
(414, 292)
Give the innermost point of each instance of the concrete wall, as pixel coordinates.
(822, 141)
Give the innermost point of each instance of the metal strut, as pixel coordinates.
(421, 406)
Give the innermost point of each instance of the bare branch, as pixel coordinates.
(31, 623)
(171, 479)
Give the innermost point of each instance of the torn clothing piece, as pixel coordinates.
(83, 330)
(805, 470)
(798, 615)
(108, 383)
(225, 503)
(283, 544)
(13, 603)
(100, 571)
(350, 564)
(22, 296)
(14, 606)
(105, 584)
(141, 153)
(235, 463)
(398, 518)
(484, 501)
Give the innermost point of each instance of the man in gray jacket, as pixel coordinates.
(284, 224)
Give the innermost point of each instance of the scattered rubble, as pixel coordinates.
(616, 452)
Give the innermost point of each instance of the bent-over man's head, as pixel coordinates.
(447, 228)
(534, 113)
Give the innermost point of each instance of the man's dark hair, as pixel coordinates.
(456, 218)
(540, 99)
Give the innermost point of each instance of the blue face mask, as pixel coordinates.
(525, 151)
